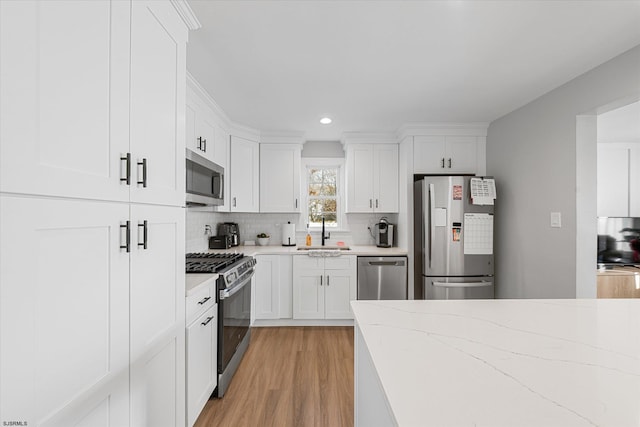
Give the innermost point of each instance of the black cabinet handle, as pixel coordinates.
(206, 322)
(370, 203)
(376, 203)
(327, 280)
(200, 143)
(296, 203)
(144, 234)
(234, 202)
(127, 245)
(204, 141)
(442, 162)
(143, 163)
(321, 280)
(127, 160)
(204, 300)
(449, 163)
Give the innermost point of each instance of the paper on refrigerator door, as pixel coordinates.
(478, 234)
(483, 191)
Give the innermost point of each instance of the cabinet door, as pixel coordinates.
(206, 131)
(266, 285)
(286, 287)
(613, 180)
(339, 292)
(64, 312)
(244, 175)
(158, 82)
(461, 154)
(221, 147)
(360, 176)
(202, 368)
(191, 111)
(280, 177)
(64, 109)
(223, 140)
(308, 287)
(634, 181)
(157, 316)
(429, 154)
(386, 178)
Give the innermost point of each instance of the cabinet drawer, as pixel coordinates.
(199, 302)
(339, 263)
(304, 261)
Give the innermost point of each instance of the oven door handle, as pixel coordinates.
(226, 293)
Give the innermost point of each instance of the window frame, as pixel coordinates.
(308, 162)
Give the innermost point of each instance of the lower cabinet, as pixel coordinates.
(272, 287)
(90, 319)
(202, 362)
(323, 288)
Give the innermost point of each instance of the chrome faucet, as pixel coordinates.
(323, 236)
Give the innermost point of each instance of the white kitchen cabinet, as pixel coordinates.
(280, 177)
(64, 312)
(64, 109)
(157, 322)
(157, 101)
(272, 287)
(84, 84)
(205, 134)
(618, 180)
(244, 175)
(445, 154)
(372, 178)
(323, 287)
(202, 364)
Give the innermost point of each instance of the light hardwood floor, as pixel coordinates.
(293, 376)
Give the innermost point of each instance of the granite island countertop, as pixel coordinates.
(506, 362)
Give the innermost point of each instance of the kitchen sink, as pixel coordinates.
(324, 248)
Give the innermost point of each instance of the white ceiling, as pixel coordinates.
(620, 125)
(374, 65)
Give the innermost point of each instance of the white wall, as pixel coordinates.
(532, 153)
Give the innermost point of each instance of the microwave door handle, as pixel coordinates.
(221, 192)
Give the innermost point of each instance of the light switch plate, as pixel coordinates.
(556, 219)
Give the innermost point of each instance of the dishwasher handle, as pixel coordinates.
(398, 263)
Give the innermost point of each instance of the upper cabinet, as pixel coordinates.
(280, 177)
(205, 131)
(618, 177)
(445, 154)
(244, 170)
(372, 178)
(81, 100)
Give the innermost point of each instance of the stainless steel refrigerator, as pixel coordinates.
(453, 240)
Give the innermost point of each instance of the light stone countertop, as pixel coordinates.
(506, 362)
(293, 250)
(195, 280)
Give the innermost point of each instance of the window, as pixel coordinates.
(323, 192)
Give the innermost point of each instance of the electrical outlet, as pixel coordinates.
(207, 230)
(556, 219)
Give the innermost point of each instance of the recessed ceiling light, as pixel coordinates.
(325, 120)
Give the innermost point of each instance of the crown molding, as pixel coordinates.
(442, 128)
(282, 137)
(368, 138)
(228, 124)
(186, 13)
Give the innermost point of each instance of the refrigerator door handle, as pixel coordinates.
(479, 284)
(432, 223)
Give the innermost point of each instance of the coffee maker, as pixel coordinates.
(230, 229)
(384, 233)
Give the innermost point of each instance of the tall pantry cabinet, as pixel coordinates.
(91, 218)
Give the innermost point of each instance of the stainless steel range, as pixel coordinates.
(234, 307)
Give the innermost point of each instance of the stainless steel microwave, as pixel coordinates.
(205, 181)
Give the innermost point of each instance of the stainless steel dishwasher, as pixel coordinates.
(383, 278)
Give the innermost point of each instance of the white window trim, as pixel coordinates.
(322, 162)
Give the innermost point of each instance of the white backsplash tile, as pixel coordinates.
(355, 232)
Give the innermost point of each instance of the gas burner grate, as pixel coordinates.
(202, 262)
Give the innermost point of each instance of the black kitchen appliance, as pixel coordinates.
(220, 242)
(230, 229)
(384, 232)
